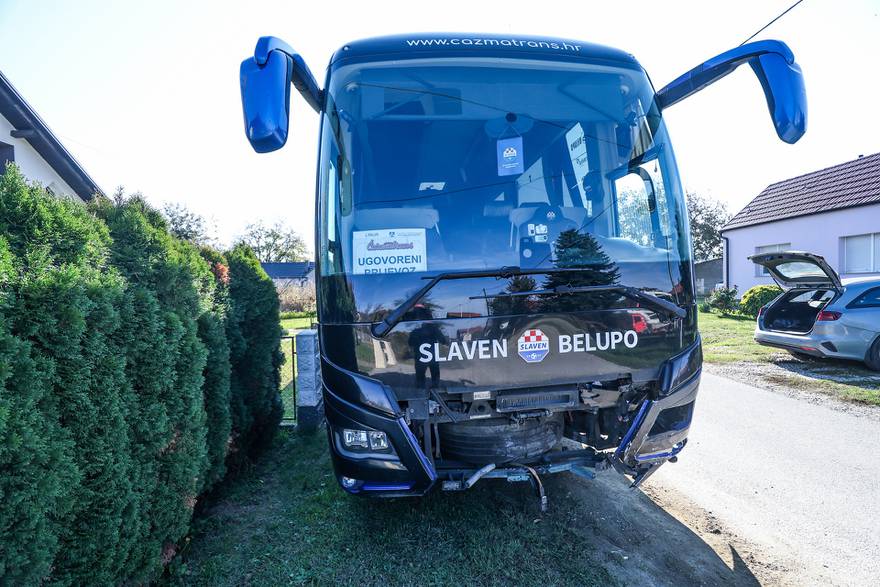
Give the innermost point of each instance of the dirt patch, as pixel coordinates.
(654, 536)
(754, 562)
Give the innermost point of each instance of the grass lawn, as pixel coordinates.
(288, 372)
(729, 343)
(287, 522)
(297, 323)
(728, 339)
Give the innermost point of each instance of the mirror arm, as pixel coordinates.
(302, 77)
(714, 69)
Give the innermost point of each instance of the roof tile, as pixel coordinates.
(854, 183)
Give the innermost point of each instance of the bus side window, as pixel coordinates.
(330, 261)
(637, 215)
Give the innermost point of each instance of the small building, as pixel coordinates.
(29, 143)
(297, 274)
(833, 212)
(708, 275)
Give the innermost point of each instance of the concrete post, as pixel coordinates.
(309, 398)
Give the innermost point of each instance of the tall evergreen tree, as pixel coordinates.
(581, 251)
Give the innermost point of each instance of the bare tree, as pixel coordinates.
(707, 216)
(274, 244)
(188, 225)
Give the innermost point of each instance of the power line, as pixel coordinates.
(760, 30)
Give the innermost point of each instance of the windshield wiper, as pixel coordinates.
(382, 328)
(634, 293)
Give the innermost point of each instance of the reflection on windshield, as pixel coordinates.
(582, 251)
(433, 166)
(573, 251)
(430, 334)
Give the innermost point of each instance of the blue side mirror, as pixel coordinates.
(779, 74)
(265, 92)
(265, 99)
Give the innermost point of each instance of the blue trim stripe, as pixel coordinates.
(632, 429)
(386, 486)
(414, 444)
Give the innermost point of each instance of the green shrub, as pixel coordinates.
(254, 335)
(34, 457)
(115, 372)
(64, 304)
(724, 300)
(212, 332)
(757, 297)
(704, 307)
(172, 279)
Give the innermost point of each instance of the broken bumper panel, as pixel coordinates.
(660, 428)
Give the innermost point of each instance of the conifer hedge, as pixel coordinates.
(133, 368)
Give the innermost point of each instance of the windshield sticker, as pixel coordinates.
(396, 250)
(577, 152)
(533, 346)
(510, 156)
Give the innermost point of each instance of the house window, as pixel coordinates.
(7, 154)
(760, 270)
(861, 253)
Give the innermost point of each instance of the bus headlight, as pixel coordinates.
(375, 440)
(354, 438)
(378, 440)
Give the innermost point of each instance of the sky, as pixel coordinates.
(146, 94)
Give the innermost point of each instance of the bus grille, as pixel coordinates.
(516, 402)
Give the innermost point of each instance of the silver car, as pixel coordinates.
(818, 314)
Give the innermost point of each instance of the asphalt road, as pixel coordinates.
(799, 480)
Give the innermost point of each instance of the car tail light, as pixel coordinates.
(828, 316)
(639, 323)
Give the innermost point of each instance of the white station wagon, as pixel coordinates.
(818, 314)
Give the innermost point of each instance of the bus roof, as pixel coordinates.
(414, 45)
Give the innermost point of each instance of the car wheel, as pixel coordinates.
(872, 360)
(803, 356)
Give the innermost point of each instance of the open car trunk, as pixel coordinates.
(810, 284)
(796, 310)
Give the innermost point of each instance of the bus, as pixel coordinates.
(505, 280)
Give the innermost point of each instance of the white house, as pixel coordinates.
(291, 274)
(29, 143)
(833, 212)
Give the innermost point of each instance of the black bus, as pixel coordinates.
(505, 282)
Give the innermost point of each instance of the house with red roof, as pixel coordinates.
(833, 212)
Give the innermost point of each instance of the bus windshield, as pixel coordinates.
(438, 165)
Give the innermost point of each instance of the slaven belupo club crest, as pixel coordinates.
(533, 346)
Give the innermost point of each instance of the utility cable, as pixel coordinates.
(760, 30)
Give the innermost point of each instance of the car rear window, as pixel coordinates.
(800, 270)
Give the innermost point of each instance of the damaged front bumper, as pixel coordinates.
(657, 433)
